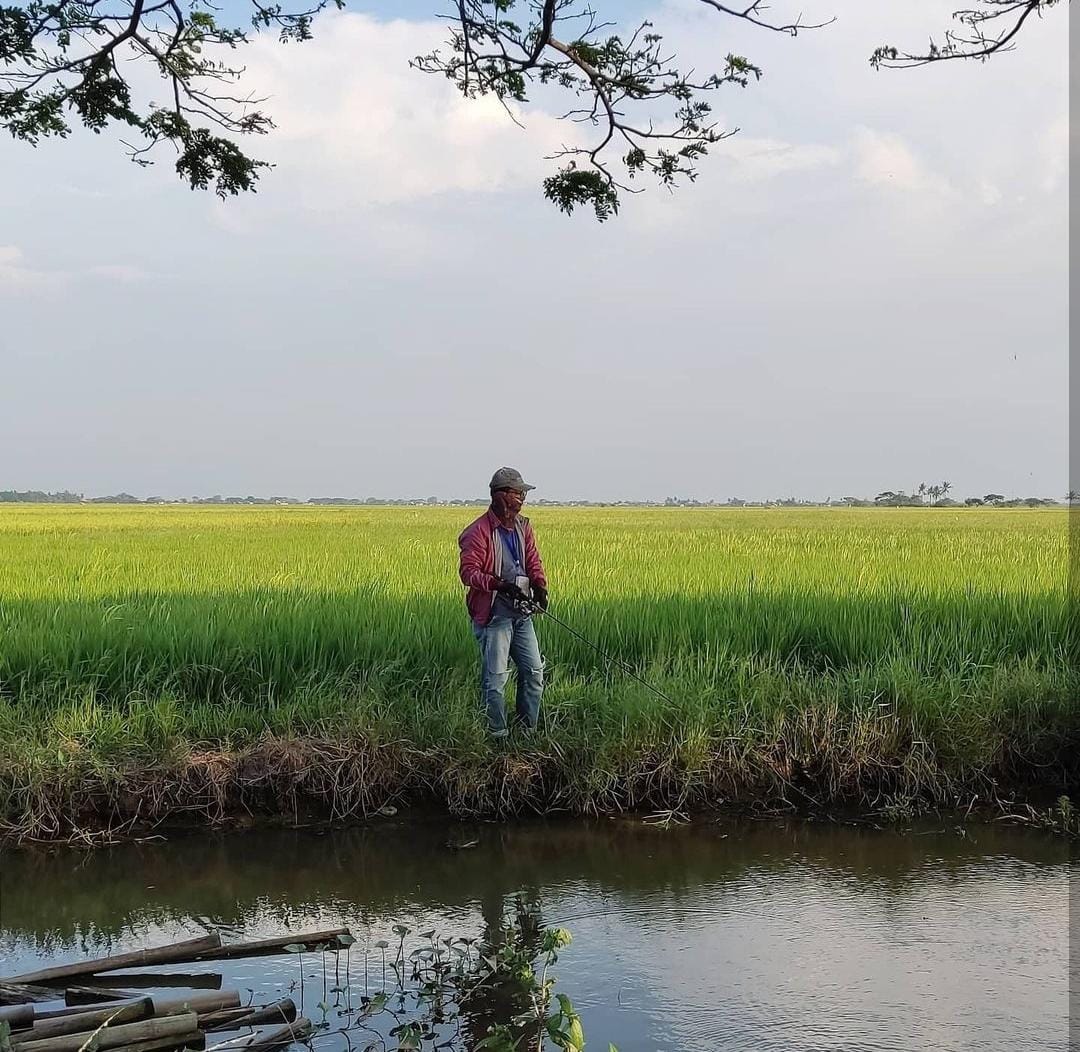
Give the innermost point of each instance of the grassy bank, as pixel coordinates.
(248, 659)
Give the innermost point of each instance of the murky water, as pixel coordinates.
(708, 936)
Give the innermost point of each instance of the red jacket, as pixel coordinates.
(480, 547)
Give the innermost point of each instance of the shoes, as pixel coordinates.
(502, 740)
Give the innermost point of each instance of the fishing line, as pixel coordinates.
(534, 608)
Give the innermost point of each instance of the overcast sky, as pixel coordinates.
(867, 287)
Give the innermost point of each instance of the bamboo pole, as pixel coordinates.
(94, 995)
(60, 1013)
(83, 1022)
(283, 1011)
(115, 1037)
(226, 1001)
(312, 940)
(22, 993)
(159, 980)
(198, 1002)
(205, 948)
(18, 1017)
(174, 953)
(285, 1035)
(268, 1039)
(202, 1001)
(195, 1040)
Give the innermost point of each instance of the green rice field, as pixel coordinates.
(217, 660)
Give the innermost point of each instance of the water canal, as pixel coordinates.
(714, 935)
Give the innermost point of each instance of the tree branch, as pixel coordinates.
(752, 14)
(972, 42)
(59, 66)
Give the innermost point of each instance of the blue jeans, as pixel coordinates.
(501, 639)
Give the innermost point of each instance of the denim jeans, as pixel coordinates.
(502, 639)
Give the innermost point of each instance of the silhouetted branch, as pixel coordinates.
(643, 114)
(984, 31)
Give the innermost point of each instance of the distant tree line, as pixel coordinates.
(36, 496)
(924, 496)
(935, 495)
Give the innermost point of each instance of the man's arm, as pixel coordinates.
(471, 565)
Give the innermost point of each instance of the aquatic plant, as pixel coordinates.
(456, 993)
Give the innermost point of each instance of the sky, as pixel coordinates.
(867, 287)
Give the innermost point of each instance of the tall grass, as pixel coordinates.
(852, 652)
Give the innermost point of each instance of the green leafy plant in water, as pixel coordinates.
(382, 946)
(1068, 816)
(564, 1026)
(344, 942)
(398, 963)
(298, 948)
(409, 1035)
(444, 986)
(516, 961)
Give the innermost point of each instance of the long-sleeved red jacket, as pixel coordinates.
(481, 559)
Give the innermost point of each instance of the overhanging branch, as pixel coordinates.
(635, 111)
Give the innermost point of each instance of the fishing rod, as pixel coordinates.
(531, 606)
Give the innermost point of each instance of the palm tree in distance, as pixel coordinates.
(935, 492)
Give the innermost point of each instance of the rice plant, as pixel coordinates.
(819, 645)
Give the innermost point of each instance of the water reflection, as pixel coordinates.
(719, 936)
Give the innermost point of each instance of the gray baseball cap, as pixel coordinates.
(509, 478)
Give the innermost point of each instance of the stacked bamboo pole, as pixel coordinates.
(110, 1018)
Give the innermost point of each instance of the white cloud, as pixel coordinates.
(17, 276)
(1054, 148)
(989, 192)
(884, 159)
(356, 125)
(754, 295)
(757, 159)
(122, 272)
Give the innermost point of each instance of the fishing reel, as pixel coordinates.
(527, 606)
(522, 598)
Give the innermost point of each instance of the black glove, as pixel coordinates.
(540, 595)
(509, 589)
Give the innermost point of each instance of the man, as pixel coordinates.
(500, 565)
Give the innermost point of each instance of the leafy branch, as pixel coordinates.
(165, 71)
(60, 63)
(630, 92)
(980, 33)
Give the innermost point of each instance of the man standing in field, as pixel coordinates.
(501, 567)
